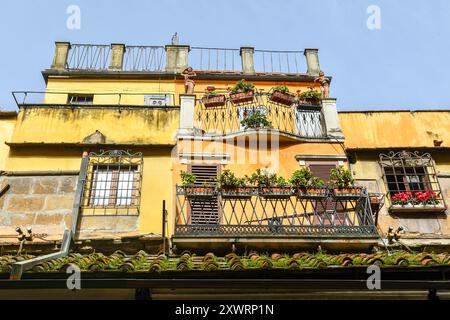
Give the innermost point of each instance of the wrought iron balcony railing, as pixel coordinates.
(300, 119)
(272, 213)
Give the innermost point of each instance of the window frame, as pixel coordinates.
(405, 164)
(112, 163)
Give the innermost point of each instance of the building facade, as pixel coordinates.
(129, 149)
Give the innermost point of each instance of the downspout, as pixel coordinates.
(69, 235)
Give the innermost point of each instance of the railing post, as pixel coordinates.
(331, 118)
(312, 61)
(248, 64)
(177, 58)
(117, 53)
(187, 106)
(61, 55)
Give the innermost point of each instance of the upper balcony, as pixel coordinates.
(238, 114)
(92, 59)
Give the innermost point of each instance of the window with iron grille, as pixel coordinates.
(113, 183)
(85, 99)
(412, 174)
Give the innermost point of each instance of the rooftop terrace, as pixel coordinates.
(175, 58)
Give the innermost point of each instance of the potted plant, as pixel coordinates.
(310, 97)
(402, 199)
(242, 92)
(256, 120)
(306, 184)
(281, 95)
(270, 185)
(234, 187)
(376, 201)
(212, 98)
(207, 189)
(343, 183)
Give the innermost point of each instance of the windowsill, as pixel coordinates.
(417, 208)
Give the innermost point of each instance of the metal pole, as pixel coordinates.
(164, 226)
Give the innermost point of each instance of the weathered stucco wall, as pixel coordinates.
(42, 202)
(368, 172)
(6, 130)
(395, 129)
(127, 126)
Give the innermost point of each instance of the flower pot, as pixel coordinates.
(349, 192)
(276, 192)
(311, 192)
(199, 192)
(283, 98)
(241, 97)
(213, 101)
(236, 193)
(309, 102)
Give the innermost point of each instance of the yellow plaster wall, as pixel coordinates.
(395, 129)
(6, 131)
(127, 126)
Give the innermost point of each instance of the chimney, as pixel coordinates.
(248, 64)
(177, 58)
(312, 61)
(61, 55)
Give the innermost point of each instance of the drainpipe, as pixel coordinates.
(19, 267)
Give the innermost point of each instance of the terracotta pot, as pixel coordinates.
(309, 102)
(237, 192)
(242, 97)
(213, 101)
(349, 190)
(283, 98)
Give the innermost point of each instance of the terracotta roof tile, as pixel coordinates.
(144, 262)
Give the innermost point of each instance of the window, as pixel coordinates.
(411, 173)
(114, 186)
(204, 211)
(81, 99)
(113, 183)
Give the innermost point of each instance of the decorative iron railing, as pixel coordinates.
(255, 212)
(270, 61)
(144, 58)
(88, 57)
(302, 120)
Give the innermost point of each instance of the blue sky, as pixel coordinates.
(404, 64)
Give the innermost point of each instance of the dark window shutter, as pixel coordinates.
(205, 211)
(323, 172)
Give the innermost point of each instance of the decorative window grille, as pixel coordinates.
(113, 183)
(406, 171)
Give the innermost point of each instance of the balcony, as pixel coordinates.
(272, 214)
(298, 120)
(158, 59)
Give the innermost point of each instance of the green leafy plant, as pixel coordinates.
(255, 120)
(304, 178)
(301, 178)
(263, 178)
(229, 180)
(243, 87)
(282, 88)
(211, 94)
(316, 182)
(341, 177)
(187, 178)
(211, 183)
(311, 94)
